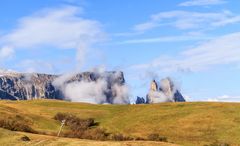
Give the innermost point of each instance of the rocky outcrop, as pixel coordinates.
(167, 92)
(140, 100)
(17, 86)
(154, 86)
(178, 97)
(22, 86)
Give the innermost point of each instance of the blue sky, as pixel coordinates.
(196, 42)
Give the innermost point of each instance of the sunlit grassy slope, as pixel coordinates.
(193, 124)
(9, 138)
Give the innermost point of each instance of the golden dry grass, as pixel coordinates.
(190, 124)
(10, 138)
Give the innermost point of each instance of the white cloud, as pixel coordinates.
(61, 28)
(6, 52)
(90, 92)
(188, 20)
(202, 2)
(225, 98)
(218, 51)
(166, 39)
(228, 21)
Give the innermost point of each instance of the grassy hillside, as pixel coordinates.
(182, 123)
(9, 138)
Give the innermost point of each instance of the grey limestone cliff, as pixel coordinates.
(25, 86)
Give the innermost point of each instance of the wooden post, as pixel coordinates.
(62, 124)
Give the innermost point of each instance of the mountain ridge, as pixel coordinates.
(25, 86)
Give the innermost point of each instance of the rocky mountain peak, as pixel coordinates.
(166, 91)
(25, 86)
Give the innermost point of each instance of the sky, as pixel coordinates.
(195, 42)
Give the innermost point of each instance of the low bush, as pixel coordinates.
(16, 123)
(87, 129)
(218, 144)
(25, 138)
(157, 137)
(95, 134)
(120, 137)
(139, 139)
(81, 128)
(74, 122)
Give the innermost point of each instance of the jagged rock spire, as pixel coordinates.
(154, 86)
(166, 92)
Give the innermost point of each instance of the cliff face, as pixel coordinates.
(19, 86)
(28, 86)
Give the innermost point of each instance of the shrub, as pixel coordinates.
(139, 139)
(120, 137)
(60, 116)
(218, 144)
(117, 137)
(95, 134)
(74, 122)
(14, 124)
(86, 129)
(157, 137)
(81, 128)
(25, 138)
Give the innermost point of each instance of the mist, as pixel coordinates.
(100, 87)
(168, 91)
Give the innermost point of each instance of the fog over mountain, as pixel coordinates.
(91, 87)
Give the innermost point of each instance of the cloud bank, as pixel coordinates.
(188, 20)
(202, 3)
(219, 51)
(224, 98)
(61, 28)
(107, 88)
